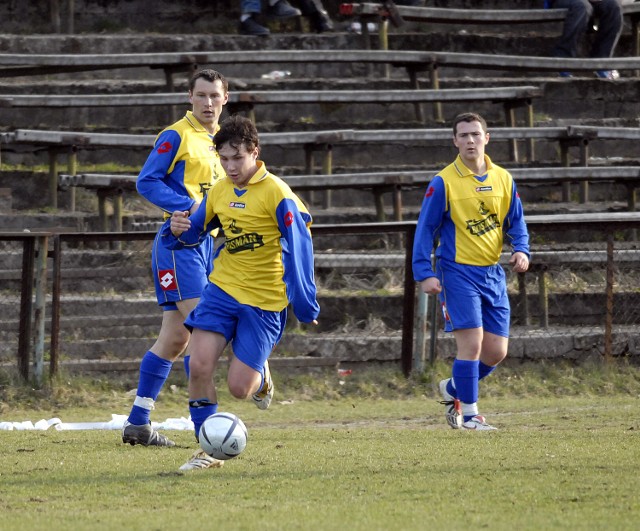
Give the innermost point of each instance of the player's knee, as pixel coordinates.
(239, 389)
(200, 368)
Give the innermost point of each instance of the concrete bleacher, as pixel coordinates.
(392, 154)
(553, 109)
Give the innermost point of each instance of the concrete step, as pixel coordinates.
(567, 343)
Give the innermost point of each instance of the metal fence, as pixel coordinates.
(88, 304)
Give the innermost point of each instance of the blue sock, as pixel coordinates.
(485, 370)
(153, 373)
(465, 374)
(200, 409)
(186, 364)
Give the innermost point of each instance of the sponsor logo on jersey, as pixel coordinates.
(480, 227)
(234, 228)
(237, 204)
(246, 242)
(288, 219)
(484, 188)
(430, 191)
(165, 147)
(167, 279)
(204, 188)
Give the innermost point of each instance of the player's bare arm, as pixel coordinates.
(180, 222)
(431, 286)
(519, 261)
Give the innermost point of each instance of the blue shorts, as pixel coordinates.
(180, 275)
(253, 332)
(474, 297)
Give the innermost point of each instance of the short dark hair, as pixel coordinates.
(210, 75)
(468, 117)
(236, 131)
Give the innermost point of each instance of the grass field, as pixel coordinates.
(370, 451)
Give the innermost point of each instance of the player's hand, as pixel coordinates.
(520, 262)
(180, 222)
(431, 286)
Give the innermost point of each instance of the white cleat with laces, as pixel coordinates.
(200, 460)
(477, 423)
(452, 410)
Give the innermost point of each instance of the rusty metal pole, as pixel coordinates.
(39, 308)
(608, 325)
(24, 339)
(55, 307)
(408, 312)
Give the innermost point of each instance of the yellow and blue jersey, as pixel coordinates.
(181, 168)
(267, 259)
(470, 216)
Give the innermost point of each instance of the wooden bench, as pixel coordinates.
(377, 12)
(396, 182)
(111, 186)
(108, 187)
(12, 65)
(245, 100)
(59, 142)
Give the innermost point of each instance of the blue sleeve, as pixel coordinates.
(152, 183)
(428, 229)
(515, 227)
(297, 257)
(197, 233)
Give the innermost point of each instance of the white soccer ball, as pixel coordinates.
(223, 436)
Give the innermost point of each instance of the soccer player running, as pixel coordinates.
(265, 263)
(468, 210)
(177, 174)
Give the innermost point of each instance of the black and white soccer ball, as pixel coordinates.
(223, 436)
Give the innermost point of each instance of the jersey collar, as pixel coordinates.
(260, 174)
(197, 126)
(463, 171)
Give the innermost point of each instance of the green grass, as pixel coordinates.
(369, 451)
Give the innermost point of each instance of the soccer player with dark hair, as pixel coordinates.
(265, 264)
(469, 208)
(176, 176)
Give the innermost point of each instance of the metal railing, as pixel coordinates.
(602, 245)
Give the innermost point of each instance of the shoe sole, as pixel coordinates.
(184, 467)
(491, 428)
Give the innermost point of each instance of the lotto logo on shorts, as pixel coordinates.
(445, 313)
(167, 279)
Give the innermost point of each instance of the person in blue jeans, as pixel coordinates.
(608, 14)
(282, 10)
